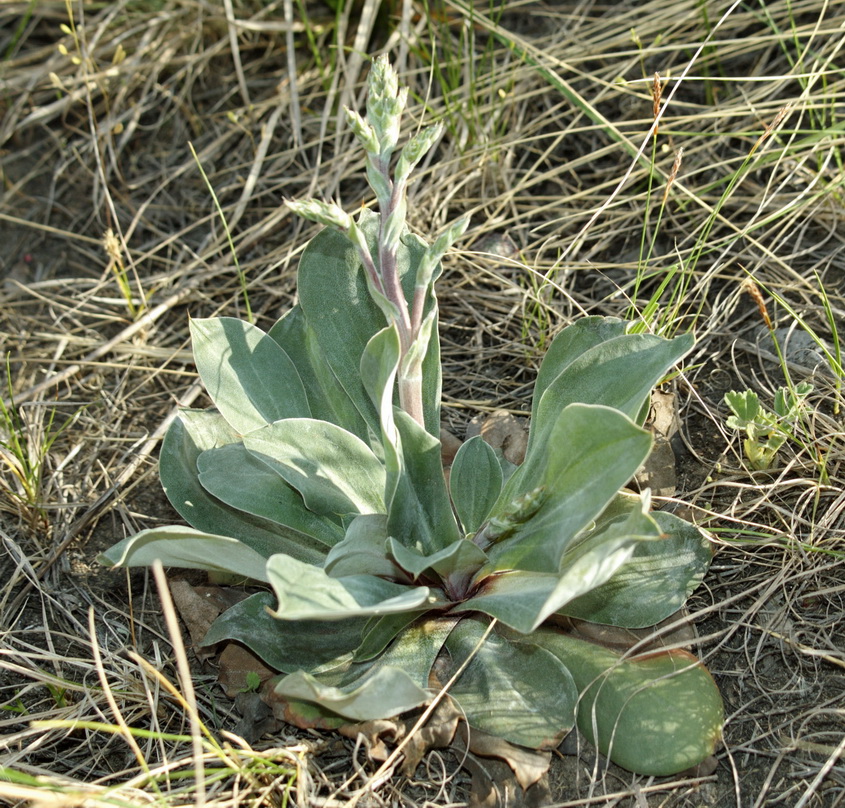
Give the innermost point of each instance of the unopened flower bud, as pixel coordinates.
(431, 259)
(385, 104)
(326, 213)
(415, 149)
(363, 131)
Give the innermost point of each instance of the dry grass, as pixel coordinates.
(549, 145)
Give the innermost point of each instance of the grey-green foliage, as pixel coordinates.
(318, 474)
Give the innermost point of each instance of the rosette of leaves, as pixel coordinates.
(317, 475)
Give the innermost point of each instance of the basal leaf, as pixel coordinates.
(250, 379)
(192, 433)
(521, 693)
(656, 714)
(234, 476)
(619, 372)
(184, 547)
(523, 600)
(285, 646)
(306, 592)
(327, 398)
(383, 687)
(654, 584)
(590, 453)
(460, 557)
(381, 631)
(363, 550)
(569, 343)
(387, 692)
(420, 514)
(336, 472)
(475, 481)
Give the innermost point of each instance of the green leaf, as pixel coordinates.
(381, 631)
(306, 592)
(619, 373)
(363, 551)
(393, 683)
(239, 479)
(379, 364)
(570, 343)
(285, 646)
(462, 556)
(420, 515)
(523, 600)
(654, 584)
(250, 379)
(656, 714)
(388, 692)
(475, 481)
(590, 453)
(746, 409)
(327, 399)
(192, 433)
(177, 546)
(519, 692)
(335, 471)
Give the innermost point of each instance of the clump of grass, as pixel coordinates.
(25, 447)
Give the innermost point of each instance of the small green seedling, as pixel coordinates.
(766, 431)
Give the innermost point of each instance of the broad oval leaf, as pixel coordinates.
(654, 583)
(239, 479)
(618, 372)
(475, 481)
(591, 452)
(519, 692)
(285, 646)
(192, 433)
(306, 592)
(523, 600)
(392, 683)
(461, 557)
(335, 471)
(327, 399)
(420, 514)
(249, 377)
(656, 714)
(569, 343)
(184, 547)
(363, 550)
(388, 692)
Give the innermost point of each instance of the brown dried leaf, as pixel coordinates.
(436, 733)
(658, 472)
(528, 765)
(237, 665)
(501, 430)
(197, 610)
(503, 775)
